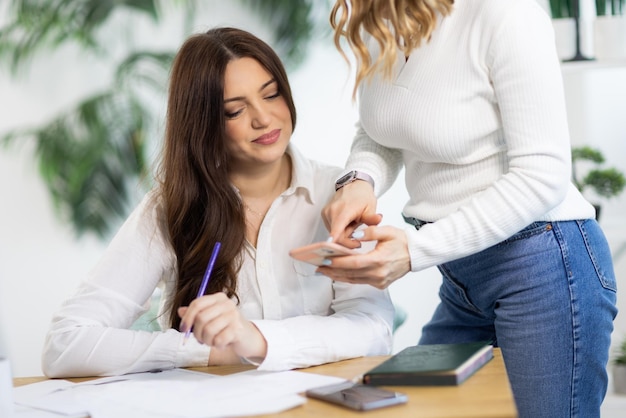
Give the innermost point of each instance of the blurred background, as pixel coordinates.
(82, 105)
(82, 102)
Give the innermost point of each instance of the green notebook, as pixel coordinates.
(426, 365)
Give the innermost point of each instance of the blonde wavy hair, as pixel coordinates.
(394, 24)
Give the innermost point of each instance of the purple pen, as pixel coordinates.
(205, 279)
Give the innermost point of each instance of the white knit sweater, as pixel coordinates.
(477, 117)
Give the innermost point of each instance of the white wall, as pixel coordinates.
(40, 260)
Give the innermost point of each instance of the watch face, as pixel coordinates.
(347, 177)
(352, 176)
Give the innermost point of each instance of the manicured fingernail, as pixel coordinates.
(330, 239)
(357, 234)
(326, 262)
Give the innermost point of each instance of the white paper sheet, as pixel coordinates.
(174, 393)
(25, 394)
(27, 412)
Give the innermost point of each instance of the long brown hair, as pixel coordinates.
(412, 22)
(201, 205)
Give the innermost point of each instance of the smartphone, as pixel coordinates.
(317, 252)
(357, 396)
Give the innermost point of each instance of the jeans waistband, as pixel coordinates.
(417, 223)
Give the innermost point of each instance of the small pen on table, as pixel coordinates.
(205, 280)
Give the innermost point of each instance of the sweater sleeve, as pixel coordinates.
(380, 162)
(90, 335)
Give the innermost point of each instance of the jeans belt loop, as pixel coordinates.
(417, 223)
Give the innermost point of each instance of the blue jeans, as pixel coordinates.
(546, 297)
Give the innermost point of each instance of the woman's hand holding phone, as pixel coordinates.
(317, 252)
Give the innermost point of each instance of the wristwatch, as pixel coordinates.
(352, 176)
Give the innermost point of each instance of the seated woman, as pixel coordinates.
(227, 174)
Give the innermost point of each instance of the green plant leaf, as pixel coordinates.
(587, 153)
(561, 9)
(147, 6)
(89, 157)
(43, 25)
(610, 7)
(146, 67)
(293, 22)
(607, 183)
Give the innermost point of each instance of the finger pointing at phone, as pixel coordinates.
(388, 261)
(350, 207)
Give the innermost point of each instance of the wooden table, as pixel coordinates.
(486, 394)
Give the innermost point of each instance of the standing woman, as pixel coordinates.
(228, 174)
(467, 97)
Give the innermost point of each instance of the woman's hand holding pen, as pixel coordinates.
(217, 322)
(350, 207)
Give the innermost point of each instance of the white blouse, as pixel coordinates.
(306, 318)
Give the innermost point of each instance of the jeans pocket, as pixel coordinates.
(599, 253)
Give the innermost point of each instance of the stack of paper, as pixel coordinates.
(172, 393)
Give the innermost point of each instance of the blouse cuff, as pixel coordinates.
(277, 354)
(193, 353)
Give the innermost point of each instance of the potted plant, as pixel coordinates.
(605, 182)
(609, 31)
(619, 369)
(561, 9)
(610, 7)
(562, 12)
(568, 29)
